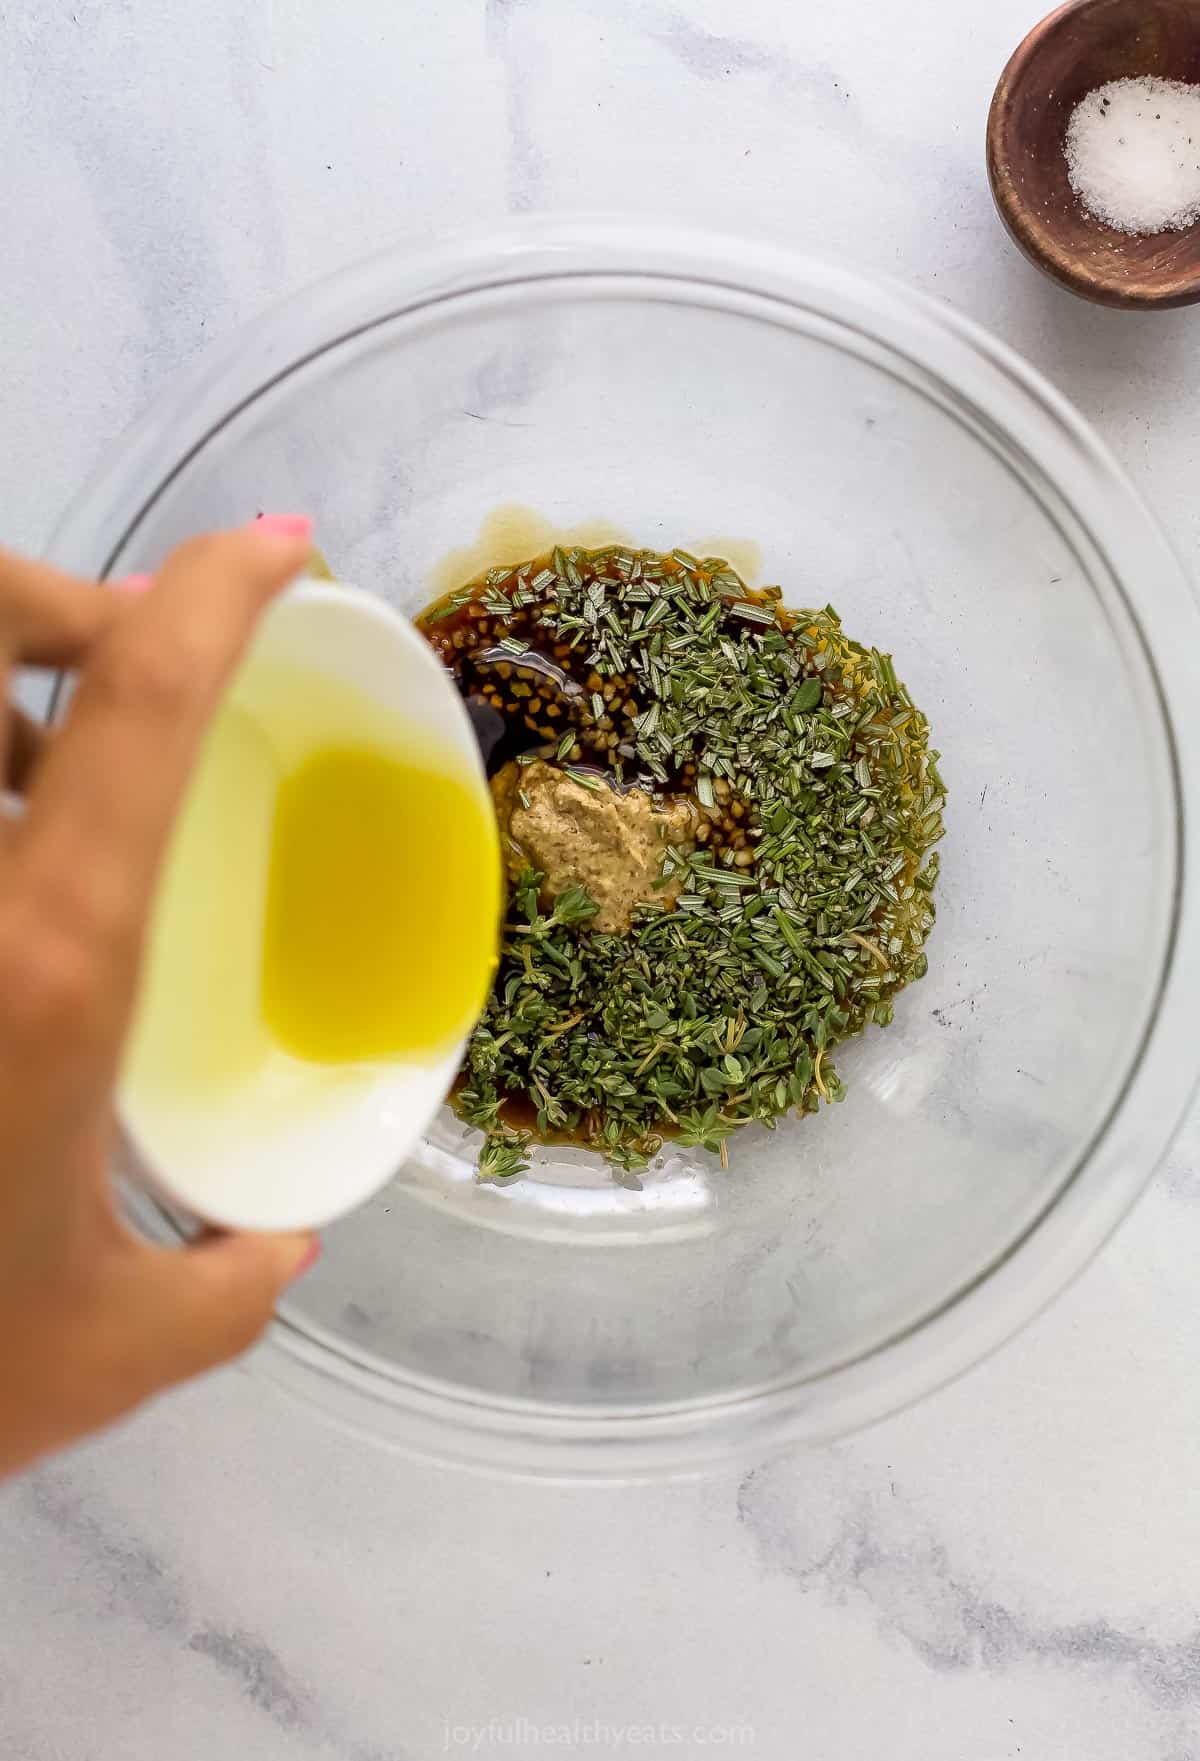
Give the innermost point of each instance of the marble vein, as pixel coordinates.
(512, 48)
(830, 1531)
(712, 55)
(142, 1586)
(132, 167)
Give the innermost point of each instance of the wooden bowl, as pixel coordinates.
(1083, 45)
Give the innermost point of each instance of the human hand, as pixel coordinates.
(94, 1321)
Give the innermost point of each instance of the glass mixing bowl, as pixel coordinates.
(876, 452)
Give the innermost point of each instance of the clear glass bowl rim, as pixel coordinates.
(1023, 418)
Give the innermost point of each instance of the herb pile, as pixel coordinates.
(807, 893)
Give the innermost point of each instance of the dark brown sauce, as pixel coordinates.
(534, 700)
(519, 1113)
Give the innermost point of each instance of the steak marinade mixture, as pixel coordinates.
(718, 817)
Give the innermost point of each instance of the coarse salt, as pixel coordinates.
(1133, 154)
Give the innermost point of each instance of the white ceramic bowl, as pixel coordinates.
(281, 1143)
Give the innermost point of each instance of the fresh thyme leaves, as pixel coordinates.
(805, 894)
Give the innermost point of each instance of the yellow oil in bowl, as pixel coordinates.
(375, 944)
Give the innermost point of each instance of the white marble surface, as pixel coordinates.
(1009, 1570)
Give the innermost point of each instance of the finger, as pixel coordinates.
(196, 1307)
(98, 819)
(25, 743)
(48, 618)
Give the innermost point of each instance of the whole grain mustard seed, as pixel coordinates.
(786, 922)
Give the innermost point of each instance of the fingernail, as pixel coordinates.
(283, 525)
(133, 584)
(312, 1254)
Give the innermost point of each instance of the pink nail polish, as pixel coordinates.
(284, 525)
(133, 584)
(311, 1256)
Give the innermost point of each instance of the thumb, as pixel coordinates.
(202, 1305)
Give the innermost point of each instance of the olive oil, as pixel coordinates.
(374, 945)
(199, 1028)
(331, 898)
